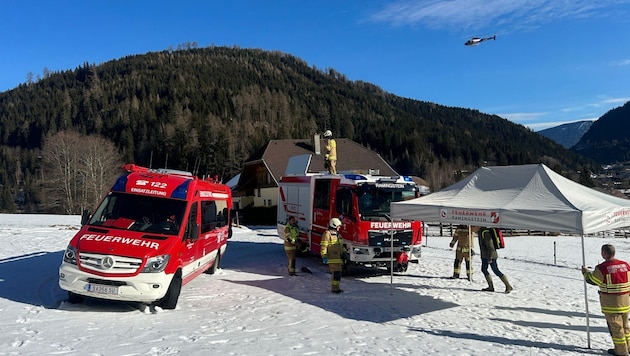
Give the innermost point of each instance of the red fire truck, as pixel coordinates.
(362, 202)
(153, 232)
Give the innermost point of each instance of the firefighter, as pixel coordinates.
(489, 257)
(613, 279)
(291, 242)
(331, 152)
(463, 251)
(333, 252)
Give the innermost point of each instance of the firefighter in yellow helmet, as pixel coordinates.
(331, 153)
(291, 242)
(333, 251)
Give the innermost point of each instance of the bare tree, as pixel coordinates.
(99, 163)
(78, 170)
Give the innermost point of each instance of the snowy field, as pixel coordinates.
(252, 307)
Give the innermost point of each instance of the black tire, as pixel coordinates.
(215, 265)
(172, 295)
(74, 298)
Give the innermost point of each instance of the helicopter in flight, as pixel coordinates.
(477, 40)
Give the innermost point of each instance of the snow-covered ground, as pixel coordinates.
(252, 307)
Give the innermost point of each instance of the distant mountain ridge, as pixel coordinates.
(567, 135)
(608, 139)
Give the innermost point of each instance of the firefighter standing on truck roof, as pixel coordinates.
(613, 278)
(332, 252)
(291, 241)
(463, 251)
(331, 152)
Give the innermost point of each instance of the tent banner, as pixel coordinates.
(619, 217)
(470, 216)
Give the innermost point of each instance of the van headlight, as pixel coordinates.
(156, 264)
(70, 256)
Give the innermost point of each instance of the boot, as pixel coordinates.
(455, 276)
(508, 287)
(490, 287)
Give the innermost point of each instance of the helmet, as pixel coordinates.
(327, 134)
(334, 223)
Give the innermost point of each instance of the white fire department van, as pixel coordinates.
(153, 232)
(362, 203)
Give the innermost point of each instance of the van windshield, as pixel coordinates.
(140, 213)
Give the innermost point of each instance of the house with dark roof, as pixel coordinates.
(258, 182)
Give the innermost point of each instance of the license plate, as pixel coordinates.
(101, 289)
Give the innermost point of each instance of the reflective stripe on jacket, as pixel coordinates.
(613, 279)
(291, 238)
(332, 247)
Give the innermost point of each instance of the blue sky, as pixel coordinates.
(553, 61)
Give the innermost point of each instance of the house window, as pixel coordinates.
(269, 202)
(259, 192)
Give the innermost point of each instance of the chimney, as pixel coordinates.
(316, 145)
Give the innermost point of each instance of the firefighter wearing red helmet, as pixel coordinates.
(332, 252)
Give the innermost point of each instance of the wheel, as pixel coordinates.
(172, 295)
(74, 298)
(215, 265)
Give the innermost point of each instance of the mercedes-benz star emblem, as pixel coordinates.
(107, 262)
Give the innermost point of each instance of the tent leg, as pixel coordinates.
(588, 331)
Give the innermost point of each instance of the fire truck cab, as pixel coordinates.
(152, 233)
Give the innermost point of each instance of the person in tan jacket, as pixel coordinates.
(291, 242)
(463, 239)
(333, 252)
(331, 153)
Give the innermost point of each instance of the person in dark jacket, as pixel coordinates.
(489, 257)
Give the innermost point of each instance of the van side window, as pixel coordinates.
(222, 213)
(208, 216)
(192, 220)
(213, 214)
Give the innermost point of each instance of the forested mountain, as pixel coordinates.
(608, 139)
(567, 134)
(213, 107)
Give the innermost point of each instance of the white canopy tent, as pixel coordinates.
(521, 197)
